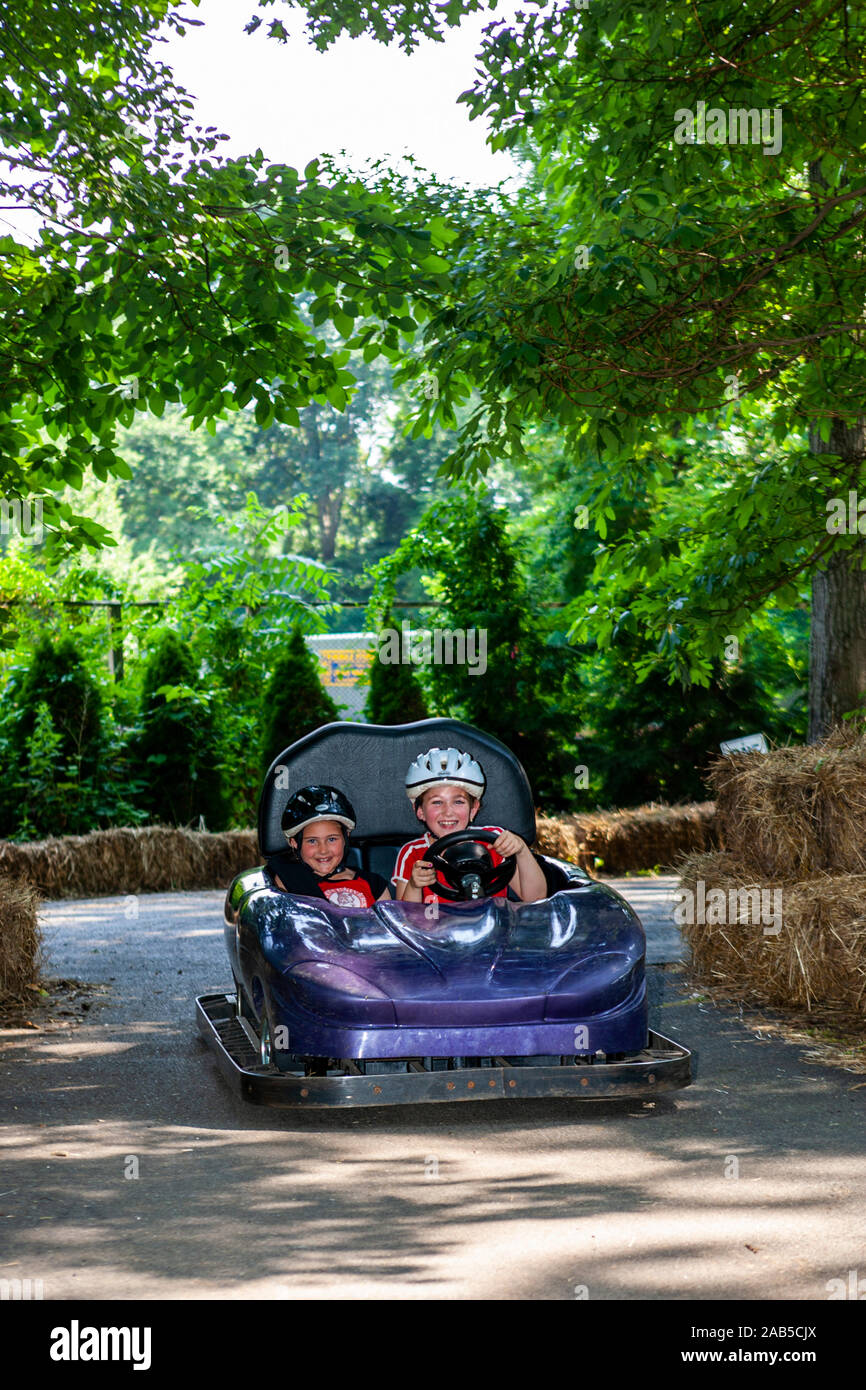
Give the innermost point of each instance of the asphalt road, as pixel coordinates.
(129, 1171)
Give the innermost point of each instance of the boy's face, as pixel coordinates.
(446, 809)
(321, 846)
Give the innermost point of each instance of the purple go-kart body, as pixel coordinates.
(402, 1001)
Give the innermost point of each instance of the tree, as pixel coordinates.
(357, 481)
(640, 284)
(653, 278)
(177, 748)
(58, 679)
(237, 607)
(53, 743)
(163, 272)
(294, 701)
(650, 742)
(493, 666)
(395, 696)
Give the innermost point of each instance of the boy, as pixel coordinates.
(316, 824)
(446, 786)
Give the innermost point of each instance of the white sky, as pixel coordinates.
(294, 103)
(371, 100)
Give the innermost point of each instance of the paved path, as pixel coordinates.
(527, 1200)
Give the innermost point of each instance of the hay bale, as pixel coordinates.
(795, 811)
(556, 835)
(644, 838)
(146, 859)
(818, 958)
(155, 858)
(20, 938)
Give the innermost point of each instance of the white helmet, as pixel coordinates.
(445, 765)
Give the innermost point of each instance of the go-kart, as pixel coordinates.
(475, 998)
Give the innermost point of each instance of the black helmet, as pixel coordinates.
(317, 803)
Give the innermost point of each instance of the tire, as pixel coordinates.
(266, 1040)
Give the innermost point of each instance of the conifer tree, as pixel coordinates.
(58, 678)
(395, 696)
(51, 743)
(178, 745)
(294, 702)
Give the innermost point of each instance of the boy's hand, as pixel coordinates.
(508, 843)
(423, 875)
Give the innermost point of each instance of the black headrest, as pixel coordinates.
(369, 763)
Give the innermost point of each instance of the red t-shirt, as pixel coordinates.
(416, 849)
(348, 892)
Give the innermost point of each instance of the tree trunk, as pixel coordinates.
(837, 653)
(329, 507)
(329, 500)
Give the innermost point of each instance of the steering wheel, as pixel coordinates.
(467, 867)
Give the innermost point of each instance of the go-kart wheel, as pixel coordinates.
(266, 1041)
(472, 877)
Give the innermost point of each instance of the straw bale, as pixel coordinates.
(155, 858)
(795, 811)
(146, 859)
(818, 958)
(20, 937)
(645, 838)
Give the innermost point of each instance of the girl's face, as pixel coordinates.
(321, 846)
(446, 809)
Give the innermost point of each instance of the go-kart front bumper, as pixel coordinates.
(663, 1065)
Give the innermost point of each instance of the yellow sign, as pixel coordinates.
(344, 665)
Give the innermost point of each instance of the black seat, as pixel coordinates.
(368, 762)
(374, 857)
(380, 858)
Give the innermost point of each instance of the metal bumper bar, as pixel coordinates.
(663, 1065)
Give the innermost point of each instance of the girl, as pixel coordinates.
(316, 824)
